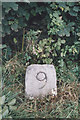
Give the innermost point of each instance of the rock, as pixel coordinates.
(40, 80)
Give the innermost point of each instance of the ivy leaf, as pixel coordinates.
(6, 29)
(14, 27)
(67, 9)
(20, 22)
(72, 13)
(5, 22)
(67, 34)
(71, 24)
(62, 4)
(3, 46)
(70, 4)
(63, 41)
(14, 6)
(61, 33)
(10, 5)
(67, 31)
(7, 10)
(78, 34)
(76, 8)
(27, 16)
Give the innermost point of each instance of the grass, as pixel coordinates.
(64, 105)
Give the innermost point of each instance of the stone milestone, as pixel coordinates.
(40, 80)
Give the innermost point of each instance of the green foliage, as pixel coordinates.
(61, 18)
(6, 53)
(14, 15)
(2, 46)
(53, 40)
(62, 22)
(6, 108)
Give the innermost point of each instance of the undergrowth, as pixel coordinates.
(64, 105)
(40, 33)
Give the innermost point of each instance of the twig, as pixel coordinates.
(23, 39)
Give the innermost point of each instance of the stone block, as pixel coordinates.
(40, 80)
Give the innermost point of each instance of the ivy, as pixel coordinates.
(62, 25)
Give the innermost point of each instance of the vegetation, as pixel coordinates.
(40, 33)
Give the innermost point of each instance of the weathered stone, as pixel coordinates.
(40, 80)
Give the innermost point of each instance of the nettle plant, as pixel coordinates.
(63, 25)
(62, 18)
(47, 50)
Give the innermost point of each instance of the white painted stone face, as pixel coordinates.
(40, 80)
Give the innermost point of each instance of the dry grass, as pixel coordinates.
(64, 105)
